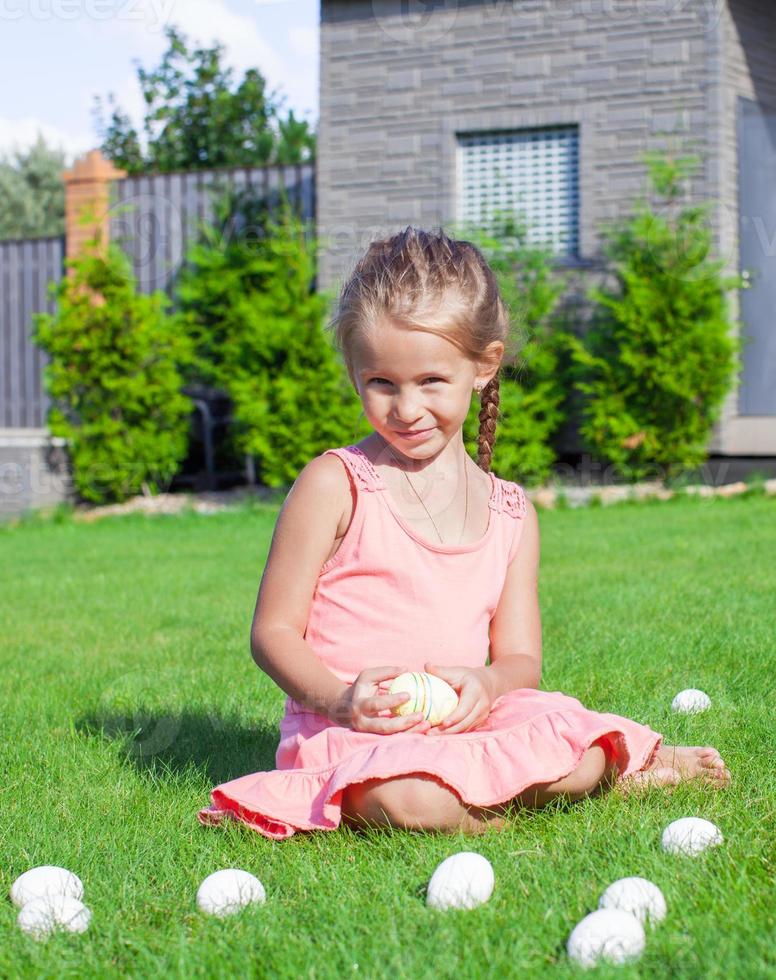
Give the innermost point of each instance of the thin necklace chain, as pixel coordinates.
(466, 480)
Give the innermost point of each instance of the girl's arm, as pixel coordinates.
(307, 681)
(301, 542)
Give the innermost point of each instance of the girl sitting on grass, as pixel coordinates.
(401, 554)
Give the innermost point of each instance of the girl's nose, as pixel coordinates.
(407, 409)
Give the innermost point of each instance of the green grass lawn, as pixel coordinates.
(129, 691)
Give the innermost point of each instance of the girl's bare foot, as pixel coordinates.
(673, 764)
(647, 778)
(694, 761)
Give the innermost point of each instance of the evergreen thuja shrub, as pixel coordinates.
(660, 355)
(114, 379)
(257, 324)
(534, 379)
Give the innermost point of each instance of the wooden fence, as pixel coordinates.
(153, 219)
(26, 268)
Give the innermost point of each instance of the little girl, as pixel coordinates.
(400, 554)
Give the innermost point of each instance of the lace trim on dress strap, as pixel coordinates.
(365, 475)
(512, 498)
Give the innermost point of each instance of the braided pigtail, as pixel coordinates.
(489, 402)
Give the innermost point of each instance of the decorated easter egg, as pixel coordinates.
(43, 881)
(639, 896)
(429, 694)
(462, 881)
(41, 916)
(229, 890)
(690, 835)
(608, 935)
(691, 701)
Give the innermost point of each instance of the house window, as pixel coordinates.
(531, 173)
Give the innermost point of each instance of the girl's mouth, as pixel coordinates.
(416, 435)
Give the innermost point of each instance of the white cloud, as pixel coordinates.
(304, 41)
(245, 46)
(21, 134)
(202, 21)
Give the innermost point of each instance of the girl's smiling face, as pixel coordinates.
(410, 381)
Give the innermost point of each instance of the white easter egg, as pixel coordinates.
(606, 934)
(690, 835)
(431, 695)
(41, 916)
(47, 879)
(639, 896)
(691, 701)
(461, 881)
(227, 891)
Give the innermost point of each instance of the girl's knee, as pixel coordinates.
(409, 802)
(423, 803)
(368, 804)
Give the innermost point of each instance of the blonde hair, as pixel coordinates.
(427, 281)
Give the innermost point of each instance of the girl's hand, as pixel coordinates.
(359, 705)
(474, 698)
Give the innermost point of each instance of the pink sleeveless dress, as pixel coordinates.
(388, 596)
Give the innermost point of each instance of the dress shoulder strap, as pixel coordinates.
(510, 498)
(360, 467)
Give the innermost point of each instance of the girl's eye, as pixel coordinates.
(384, 381)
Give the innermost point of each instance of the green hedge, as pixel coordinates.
(114, 378)
(257, 326)
(661, 355)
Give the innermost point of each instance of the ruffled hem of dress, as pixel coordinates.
(317, 793)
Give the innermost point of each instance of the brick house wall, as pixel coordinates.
(395, 89)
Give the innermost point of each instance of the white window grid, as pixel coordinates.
(530, 173)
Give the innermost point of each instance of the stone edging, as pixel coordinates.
(543, 497)
(578, 496)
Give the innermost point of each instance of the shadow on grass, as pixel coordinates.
(220, 747)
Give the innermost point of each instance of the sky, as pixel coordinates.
(56, 55)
